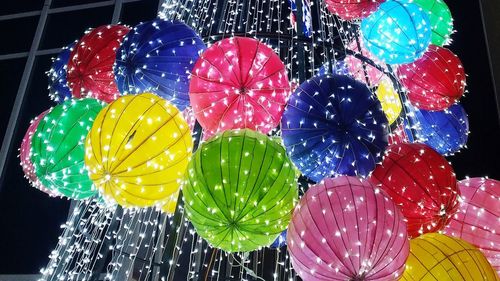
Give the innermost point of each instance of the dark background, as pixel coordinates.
(30, 220)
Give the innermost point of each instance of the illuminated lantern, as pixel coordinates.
(435, 81)
(58, 85)
(280, 241)
(422, 183)
(363, 71)
(346, 229)
(157, 56)
(24, 156)
(239, 83)
(334, 125)
(446, 131)
(90, 66)
(477, 220)
(440, 19)
(240, 190)
(334, 67)
(389, 99)
(169, 204)
(352, 9)
(397, 32)
(138, 150)
(435, 256)
(57, 148)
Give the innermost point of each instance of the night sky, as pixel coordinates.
(30, 220)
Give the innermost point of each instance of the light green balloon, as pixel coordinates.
(240, 190)
(441, 20)
(57, 148)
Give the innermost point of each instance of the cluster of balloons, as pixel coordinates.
(129, 97)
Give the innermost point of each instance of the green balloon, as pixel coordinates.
(441, 20)
(240, 190)
(58, 148)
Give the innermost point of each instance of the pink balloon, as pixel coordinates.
(478, 218)
(356, 69)
(238, 83)
(24, 156)
(347, 229)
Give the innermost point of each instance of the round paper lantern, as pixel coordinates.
(333, 67)
(397, 32)
(422, 183)
(334, 125)
(352, 9)
(435, 81)
(24, 156)
(346, 229)
(440, 19)
(363, 71)
(239, 83)
(138, 150)
(240, 190)
(58, 86)
(389, 99)
(57, 148)
(435, 256)
(477, 220)
(280, 241)
(446, 131)
(157, 56)
(90, 66)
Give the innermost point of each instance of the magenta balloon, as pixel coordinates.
(24, 156)
(347, 229)
(478, 218)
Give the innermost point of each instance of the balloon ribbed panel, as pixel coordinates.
(440, 19)
(138, 150)
(24, 156)
(334, 125)
(445, 131)
(240, 190)
(437, 257)
(57, 148)
(422, 183)
(239, 83)
(157, 56)
(352, 9)
(398, 32)
(58, 84)
(435, 81)
(346, 229)
(362, 71)
(90, 66)
(477, 220)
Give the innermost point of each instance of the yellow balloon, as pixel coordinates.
(138, 150)
(389, 98)
(435, 256)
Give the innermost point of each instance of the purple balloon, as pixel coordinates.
(347, 229)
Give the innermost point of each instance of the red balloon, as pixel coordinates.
(422, 183)
(478, 218)
(435, 81)
(345, 229)
(238, 83)
(352, 9)
(90, 67)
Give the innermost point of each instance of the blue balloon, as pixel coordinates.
(157, 56)
(280, 241)
(334, 67)
(398, 32)
(446, 131)
(58, 85)
(334, 125)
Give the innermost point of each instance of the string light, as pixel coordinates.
(58, 87)
(440, 19)
(352, 9)
(389, 99)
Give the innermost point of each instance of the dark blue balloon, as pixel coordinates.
(446, 131)
(58, 86)
(334, 67)
(334, 125)
(157, 56)
(280, 241)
